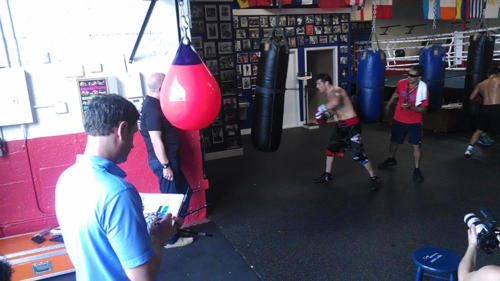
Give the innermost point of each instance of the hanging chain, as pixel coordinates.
(185, 22)
(483, 19)
(434, 8)
(374, 25)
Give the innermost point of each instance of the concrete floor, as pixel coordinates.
(270, 222)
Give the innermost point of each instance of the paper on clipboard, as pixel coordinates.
(159, 204)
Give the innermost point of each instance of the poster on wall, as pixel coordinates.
(91, 88)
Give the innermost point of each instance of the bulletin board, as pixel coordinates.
(15, 106)
(91, 88)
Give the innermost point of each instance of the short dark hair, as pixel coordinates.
(5, 270)
(324, 77)
(106, 112)
(418, 68)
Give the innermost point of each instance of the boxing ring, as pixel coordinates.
(455, 45)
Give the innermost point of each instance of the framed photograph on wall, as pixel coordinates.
(243, 21)
(198, 27)
(210, 12)
(217, 135)
(253, 33)
(282, 20)
(344, 49)
(253, 21)
(212, 65)
(255, 69)
(225, 12)
(254, 56)
(227, 75)
(241, 33)
(237, 45)
(267, 32)
(229, 103)
(299, 21)
(289, 31)
(246, 44)
(300, 41)
(225, 47)
(343, 60)
(209, 49)
(291, 21)
(212, 31)
(236, 22)
(226, 32)
(197, 11)
(292, 42)
(247, 70)
(226, 62)
(246, 84)
(323, 39)
(242, 57)
(264, 21)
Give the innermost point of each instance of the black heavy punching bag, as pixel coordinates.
(479, 59)
(270, 94)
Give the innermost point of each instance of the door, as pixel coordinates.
(291, 117)
(318, 60)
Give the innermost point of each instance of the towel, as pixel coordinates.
(421, 93)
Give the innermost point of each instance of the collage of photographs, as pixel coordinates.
(299, 31)
(213, 39)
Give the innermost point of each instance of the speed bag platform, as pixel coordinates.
(269, 101)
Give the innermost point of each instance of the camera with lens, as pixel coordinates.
(487, 239)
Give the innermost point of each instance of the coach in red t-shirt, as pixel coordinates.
(412, 96)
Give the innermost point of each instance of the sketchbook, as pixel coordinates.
(159, 204)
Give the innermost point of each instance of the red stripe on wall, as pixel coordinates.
(29, 173)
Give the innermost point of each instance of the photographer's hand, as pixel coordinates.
(472, 236)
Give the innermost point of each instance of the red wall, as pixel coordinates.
(29, 173)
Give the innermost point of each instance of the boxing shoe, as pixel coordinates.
(181, 242)
(485, 141)
(389, 162)
(374, 183)
(417, 176)
(324, 178)
(468, 151)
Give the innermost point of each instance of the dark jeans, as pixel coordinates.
(178, 185)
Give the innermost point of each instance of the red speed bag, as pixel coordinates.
(190, 97)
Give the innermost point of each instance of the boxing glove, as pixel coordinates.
(320, 110)
(320, 118)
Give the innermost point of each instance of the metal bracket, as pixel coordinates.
(143, 28)
(387, 28)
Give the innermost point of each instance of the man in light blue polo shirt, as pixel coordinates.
(100, 213)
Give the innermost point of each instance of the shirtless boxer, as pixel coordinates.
(347, 131)
(489, 114)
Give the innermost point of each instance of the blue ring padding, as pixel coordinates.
(186, 55)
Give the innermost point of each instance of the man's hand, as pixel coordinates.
(164, 228)
(472, 236)
(168, 174)
(405, 106)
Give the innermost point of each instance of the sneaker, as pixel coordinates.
(181, 242)
(388, 163)
(417, 176)
(374, 183)
(468, 152)
(484, 141)
(324, 178)
(489, 139)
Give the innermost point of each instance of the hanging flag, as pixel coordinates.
(431, 6)
(384, 9)
(354, 2)
(243, 4)
(363, 14)
(331, 4)
(475, 8)
(447, 9)
(492, 10)
(277, 2)
(263, 3)
(460, 9)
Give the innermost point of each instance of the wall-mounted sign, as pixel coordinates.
(91, 88)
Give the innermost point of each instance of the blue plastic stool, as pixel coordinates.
(436, 263)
